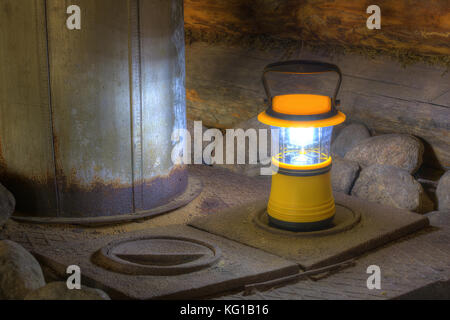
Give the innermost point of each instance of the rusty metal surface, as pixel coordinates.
(193, 189)
(378, 225)
(87, 116)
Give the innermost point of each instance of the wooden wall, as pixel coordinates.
(224, 78)
(416, 26)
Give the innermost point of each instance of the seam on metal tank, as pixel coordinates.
(134, 55)
(44, 48)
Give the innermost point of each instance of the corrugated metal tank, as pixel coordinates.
(87, 116)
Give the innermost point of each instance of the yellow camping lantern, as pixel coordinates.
(301, 197)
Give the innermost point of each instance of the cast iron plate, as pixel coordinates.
(158, 255)
(237, 266)
(378, 225)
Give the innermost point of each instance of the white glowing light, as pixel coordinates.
(300, 136)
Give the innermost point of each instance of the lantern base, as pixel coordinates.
(301, 202)
(301, 227)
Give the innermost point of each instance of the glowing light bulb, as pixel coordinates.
(300, 136)
(304, 146)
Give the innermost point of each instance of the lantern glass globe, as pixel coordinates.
(303, 146)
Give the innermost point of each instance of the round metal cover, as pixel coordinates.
(344, 220)
(158, 255)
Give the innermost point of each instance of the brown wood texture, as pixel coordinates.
(421, 27)
(224, 88)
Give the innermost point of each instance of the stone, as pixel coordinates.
(391, 186)
(349, 137)
(343, 174)
(20, 273)
(337, 130)
(59, 291)
(443, 192)
(398, 150)
(7, 205)
(439, 218)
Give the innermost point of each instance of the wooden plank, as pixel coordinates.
(419, 81)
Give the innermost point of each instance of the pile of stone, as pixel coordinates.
(381, 169)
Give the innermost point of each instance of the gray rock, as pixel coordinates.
(20, 273)
(348, 138)
(398, 150)
(59, 291)
(337, 130)
(438, 218)
(443, 192)
(343, 174)
(391, 186)
(7, 205)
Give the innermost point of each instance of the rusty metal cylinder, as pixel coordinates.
(87, 115)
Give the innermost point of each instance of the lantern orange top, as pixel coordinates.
(302, 105)
(301, 110)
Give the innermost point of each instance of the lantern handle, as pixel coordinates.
(302, 67)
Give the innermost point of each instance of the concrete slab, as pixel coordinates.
(378, 225)
(237, 265)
